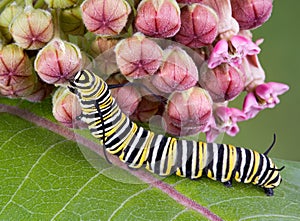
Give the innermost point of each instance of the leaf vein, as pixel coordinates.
(28, 174)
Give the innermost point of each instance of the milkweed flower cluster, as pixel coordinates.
(183, 60)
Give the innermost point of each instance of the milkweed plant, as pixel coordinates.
(183, 60)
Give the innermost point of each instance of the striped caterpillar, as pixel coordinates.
(163, 155)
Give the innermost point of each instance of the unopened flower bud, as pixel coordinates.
(101, 44)
(158, 18)
(138, 57)
(223, 83)
(178, 71)
(251, 14)
(126, 96)
(61, 4)
(71, 21)
(58, 61)
(17, 78)
(32, 29)
(199, 26)
(6, 17)
(40, 92)
(188, 110)
(65, 107)
(227, 24)
(105, 17)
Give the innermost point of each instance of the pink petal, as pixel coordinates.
(250, 107)
(219, 54)
(244, 46)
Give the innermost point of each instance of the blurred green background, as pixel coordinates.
(281, 61)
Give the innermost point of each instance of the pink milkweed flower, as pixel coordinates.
(264, 96)
(225, 121)
(232, 51)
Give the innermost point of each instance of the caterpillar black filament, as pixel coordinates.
(163, 155)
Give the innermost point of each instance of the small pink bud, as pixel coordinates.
(6, 17)
(32, 29)
(58, 61)
(127, 97)
(138, 57)
(188, 110)
(40, 92)
(100, 45)
(199, 26)
(17, 78)
(251, 14)
(178, 71)
(105, 17)
(223, 83)
(61, 4)
(227, 24)
(65, 107)
(158, 18)
(71, 21)
(146, 109)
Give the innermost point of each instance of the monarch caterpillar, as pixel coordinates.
(163, 155)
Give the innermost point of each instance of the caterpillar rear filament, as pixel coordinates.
(163, 155)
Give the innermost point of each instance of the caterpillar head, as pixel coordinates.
(86, 85)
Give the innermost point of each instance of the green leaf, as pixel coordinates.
(49, 176)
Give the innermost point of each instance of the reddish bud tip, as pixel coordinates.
(158, 18)
(65, 107)
(178, 71)
(58, 61)
(223, 83)
(32, 29)
(251, 14)
(17, 78)
(105, 17)
(189, 111)
(138, 56)
(199, 26)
